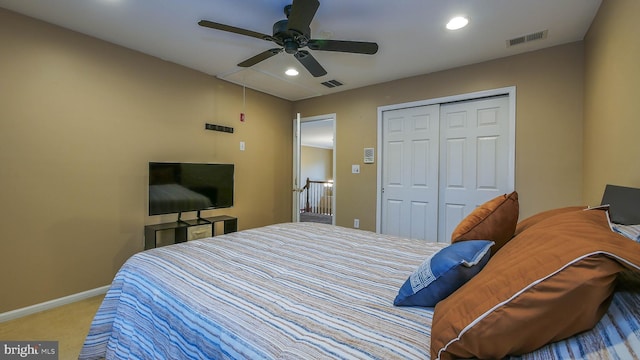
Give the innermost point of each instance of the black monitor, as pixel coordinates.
(182, 187)
(624, 204)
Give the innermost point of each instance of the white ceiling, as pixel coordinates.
(411, 35)
(318, 133)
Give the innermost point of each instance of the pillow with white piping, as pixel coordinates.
(552, 281)
(443, 273)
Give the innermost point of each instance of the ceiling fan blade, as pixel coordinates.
(310, 63)
(260, 57)
(233, 29)
(357, 47)
(302, 12)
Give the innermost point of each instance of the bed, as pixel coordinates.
(173, 198)
(317, 291)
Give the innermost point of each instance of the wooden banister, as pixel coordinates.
(318, 195)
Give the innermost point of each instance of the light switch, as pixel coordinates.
(355, 169)
(241, 145)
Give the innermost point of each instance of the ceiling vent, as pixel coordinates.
(332, 83)
(540, 35)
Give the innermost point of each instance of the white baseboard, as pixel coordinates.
(14, 314)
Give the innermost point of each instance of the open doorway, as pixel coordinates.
(317, 169)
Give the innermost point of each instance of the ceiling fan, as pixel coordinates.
(293, 34)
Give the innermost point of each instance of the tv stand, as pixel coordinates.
(180, 228)
(198, 217)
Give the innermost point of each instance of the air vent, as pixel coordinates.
(540, 35)
(332, 83)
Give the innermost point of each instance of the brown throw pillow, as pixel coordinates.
(548, 283)
(494, 220)
(534, 219)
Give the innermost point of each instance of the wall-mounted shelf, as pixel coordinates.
(220, 128)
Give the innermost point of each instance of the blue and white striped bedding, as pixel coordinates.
(630, 231)
(295, 291)
(616, 336)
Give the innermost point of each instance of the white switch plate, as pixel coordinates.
(355, 169)
(241, 145)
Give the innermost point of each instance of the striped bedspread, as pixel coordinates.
(296, 291)
(287, 291)
(616, 336)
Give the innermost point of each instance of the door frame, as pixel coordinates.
(510, 91)
(297, 128)
(295, 174)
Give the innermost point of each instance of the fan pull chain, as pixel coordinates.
(244, 103)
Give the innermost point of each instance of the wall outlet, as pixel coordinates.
(355, 169)
(356, 223)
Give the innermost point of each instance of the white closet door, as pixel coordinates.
(474, 158)
(410, 139)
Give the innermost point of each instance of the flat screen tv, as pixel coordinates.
(182, 187)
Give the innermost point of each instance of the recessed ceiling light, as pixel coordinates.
(291, 72)
(457, 22)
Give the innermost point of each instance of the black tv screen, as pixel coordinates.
(181, 187)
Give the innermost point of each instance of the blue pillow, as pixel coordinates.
(443, 273)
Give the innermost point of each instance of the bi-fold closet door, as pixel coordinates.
(439, 162)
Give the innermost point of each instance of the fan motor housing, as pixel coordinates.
(282, 32)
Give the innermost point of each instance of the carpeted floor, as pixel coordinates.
(318, 218)
(67, 324)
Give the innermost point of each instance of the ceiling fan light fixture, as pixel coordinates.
(457, 22)
(291, 72)
(293, 34)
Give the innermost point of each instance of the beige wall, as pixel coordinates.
(79, 121)
(612, 104)
(74, 111)
(316, 163)
(549, 127)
